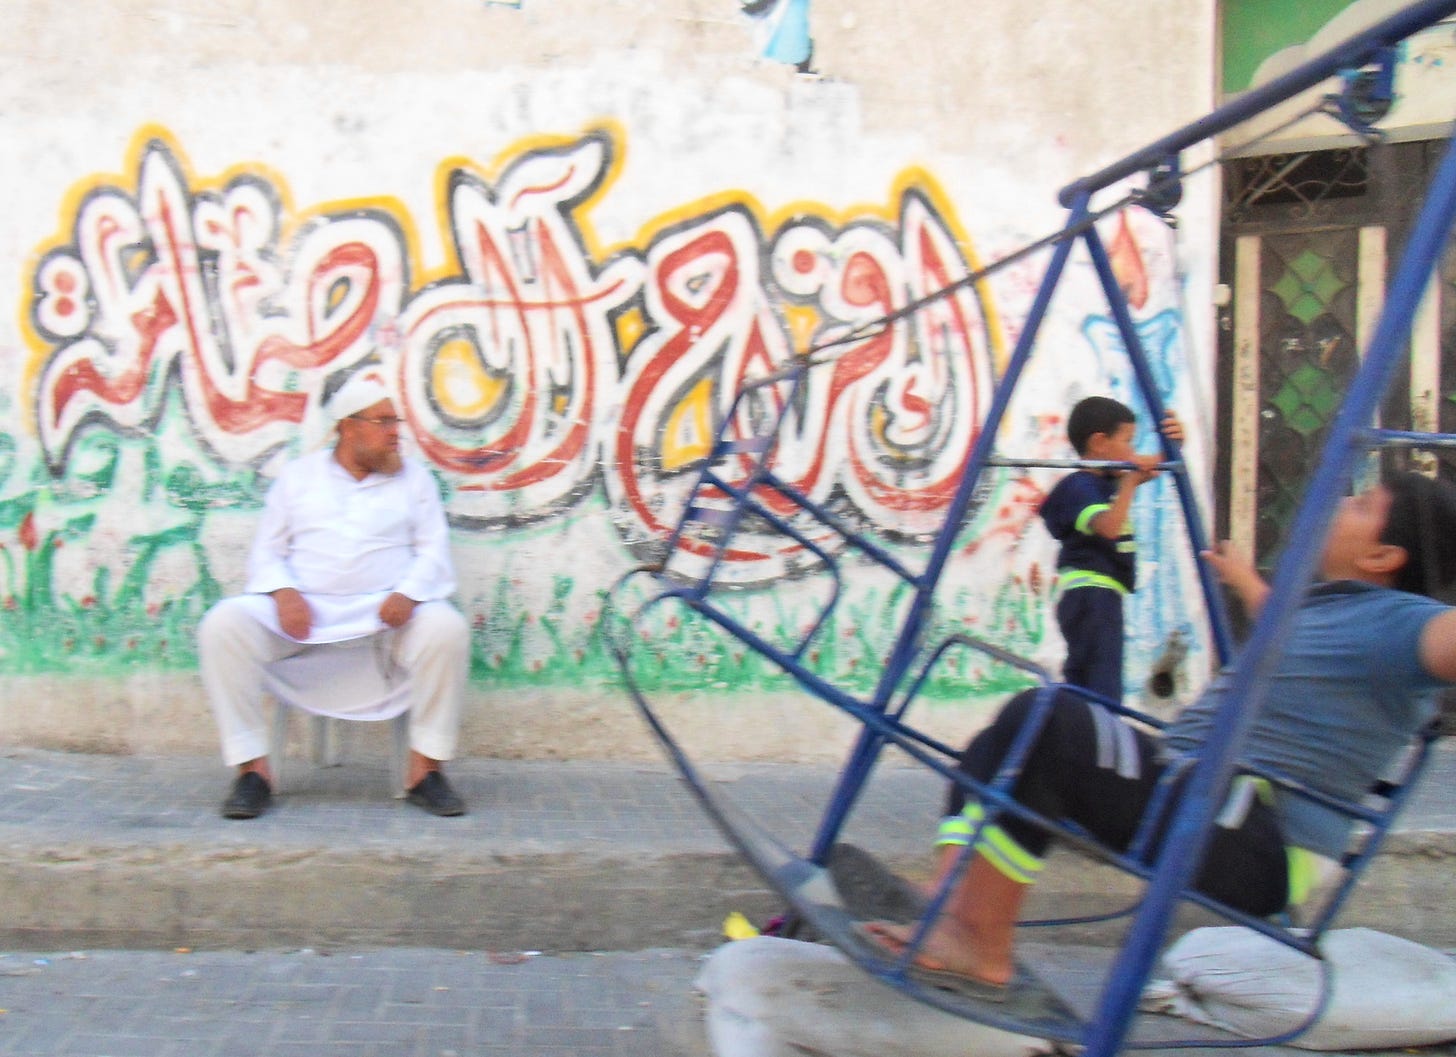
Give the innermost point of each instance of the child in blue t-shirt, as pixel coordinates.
(1089, 512)
(1350, 687)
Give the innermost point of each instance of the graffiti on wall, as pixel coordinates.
(783, 30)
(511, 371)
(184, 332)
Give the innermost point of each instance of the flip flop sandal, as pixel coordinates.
(940, 979)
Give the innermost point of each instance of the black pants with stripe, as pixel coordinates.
(1091, 768)
(1090, 619)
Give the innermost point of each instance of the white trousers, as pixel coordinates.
(420, 666)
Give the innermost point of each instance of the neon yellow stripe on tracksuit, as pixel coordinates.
(993, 843)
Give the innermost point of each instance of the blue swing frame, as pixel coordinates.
(738, 480)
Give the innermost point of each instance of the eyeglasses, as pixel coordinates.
(387, 422)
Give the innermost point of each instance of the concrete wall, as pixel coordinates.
(567, 227)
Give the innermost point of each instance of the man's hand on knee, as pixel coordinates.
(294, 616)
(397, 609)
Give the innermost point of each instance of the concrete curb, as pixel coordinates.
(100, 851)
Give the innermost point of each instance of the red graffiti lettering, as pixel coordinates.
(509, 373)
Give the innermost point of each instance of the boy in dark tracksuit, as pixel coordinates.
(1089, 512)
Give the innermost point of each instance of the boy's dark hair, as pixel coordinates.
(1422, 520)
(1095, 414)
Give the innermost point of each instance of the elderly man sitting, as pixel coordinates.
(347, 580)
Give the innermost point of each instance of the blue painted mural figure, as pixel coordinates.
(1089, 512)
(345, 610)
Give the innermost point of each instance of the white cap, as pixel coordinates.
(364, 389)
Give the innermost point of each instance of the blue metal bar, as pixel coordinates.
(868, 745)
(821, 514)
(760, 445)
(1188, 833)
(1036, 671)
(1356, 51)
(1212, 594)
(1401, 438)
(835, 579)
(713, 516)
(1074, 464)
(986, 440)
(1397, 799)
(750, 445)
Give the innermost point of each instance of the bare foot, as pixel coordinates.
(948, 947)
(417, 767)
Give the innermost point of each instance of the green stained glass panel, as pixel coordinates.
(1308, 286)
(1307, 357)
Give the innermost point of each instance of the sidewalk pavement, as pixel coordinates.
(558, 856)
(567, 914)
(395, 1002)
(124, 851)
(409, 1002)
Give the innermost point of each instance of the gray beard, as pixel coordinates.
(390, 464)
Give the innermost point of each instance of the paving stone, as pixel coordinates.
(347, 922)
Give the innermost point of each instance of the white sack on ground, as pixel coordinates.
(771, 997)
(1386, 992)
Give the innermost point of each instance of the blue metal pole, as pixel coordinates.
(1356, 51)
(1212, 594)
(1001, 400)
(1188, 834)
(868, 745)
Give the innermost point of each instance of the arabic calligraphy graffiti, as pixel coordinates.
(537, 374)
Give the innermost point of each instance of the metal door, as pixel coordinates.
(1307, 242)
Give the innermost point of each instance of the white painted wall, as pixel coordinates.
(288, 130)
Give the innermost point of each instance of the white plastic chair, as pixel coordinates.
(327, 736)
(328, 681)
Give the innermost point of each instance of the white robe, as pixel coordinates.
(346, 545)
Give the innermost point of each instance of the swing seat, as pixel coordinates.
(854, 888)
(738, 502)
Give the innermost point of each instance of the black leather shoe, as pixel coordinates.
(433, 793)
(249, 798)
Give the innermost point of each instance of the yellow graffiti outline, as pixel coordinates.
(913, 177)
(292, 219)
(491, 172)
